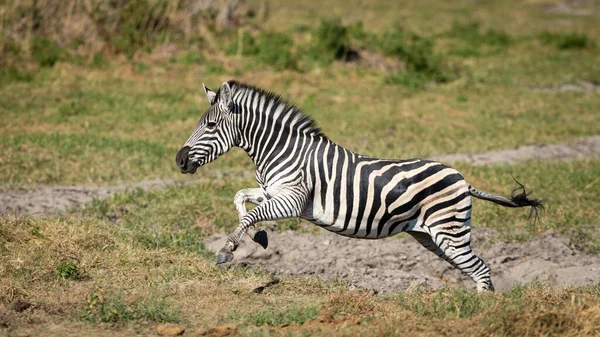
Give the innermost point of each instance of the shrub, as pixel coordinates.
(270, 48)
(417, 52)
(46, 52)
(566, 40)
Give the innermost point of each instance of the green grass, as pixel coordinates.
(67, 270)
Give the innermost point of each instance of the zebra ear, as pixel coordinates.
(212, 97)
(225, 94)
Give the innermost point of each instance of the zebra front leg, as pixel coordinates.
(257, 197)
(283, 206)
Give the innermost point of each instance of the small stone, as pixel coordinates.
(169, 330)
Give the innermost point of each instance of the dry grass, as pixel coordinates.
(143, 286)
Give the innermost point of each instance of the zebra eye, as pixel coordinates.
(211, 125)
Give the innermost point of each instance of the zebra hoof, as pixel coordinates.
(224, 256)
(261, 238)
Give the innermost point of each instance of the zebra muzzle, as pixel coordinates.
(182, 159)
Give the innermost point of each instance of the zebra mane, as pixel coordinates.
(310, 125)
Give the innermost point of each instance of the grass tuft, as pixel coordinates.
(278, 316)
(67, 270)
(112, 308)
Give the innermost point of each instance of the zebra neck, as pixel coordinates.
(279, 146)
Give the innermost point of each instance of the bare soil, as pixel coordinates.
(401, 263)
(50, 200)
(584, 148)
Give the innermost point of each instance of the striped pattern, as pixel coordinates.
(303, 173)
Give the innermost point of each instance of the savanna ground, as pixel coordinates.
(388, 79)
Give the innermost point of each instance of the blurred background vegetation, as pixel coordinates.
(40, 33)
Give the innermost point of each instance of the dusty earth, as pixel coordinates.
(384, 265)
(49, 200)
(584, 148)
(400, 263)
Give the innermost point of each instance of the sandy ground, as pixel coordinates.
(384, 265)
(50, 200)
(400, 263)
(583, 148)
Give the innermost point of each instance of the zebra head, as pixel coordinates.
(214, 134)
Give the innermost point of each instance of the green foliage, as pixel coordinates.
(46, 52)
(279, 316)
(112, 308)
(422, 62)
(12, 74)
(565, 41)
(275, 49)
(99, 60)
(67, 270)
(189, 58)
(269, 48)
(332, 41)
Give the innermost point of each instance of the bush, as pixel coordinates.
(270, 48)
(418, 54)
(46, 52)
(332, 40)
(566, 40)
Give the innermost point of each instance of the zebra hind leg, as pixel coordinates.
(460, 256)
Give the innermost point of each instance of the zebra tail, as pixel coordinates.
(516, 199)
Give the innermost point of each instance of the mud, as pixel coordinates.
(400, 263)
(584, 148)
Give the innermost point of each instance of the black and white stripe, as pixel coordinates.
(304, 174)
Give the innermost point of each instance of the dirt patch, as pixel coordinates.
(395, 264)
(584, 148)
(50, 200)
(579, 86)
(571, 7)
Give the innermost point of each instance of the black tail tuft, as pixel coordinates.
(522, 199)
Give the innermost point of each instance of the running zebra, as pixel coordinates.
(302, 173)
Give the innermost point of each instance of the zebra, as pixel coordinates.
(302, 173)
